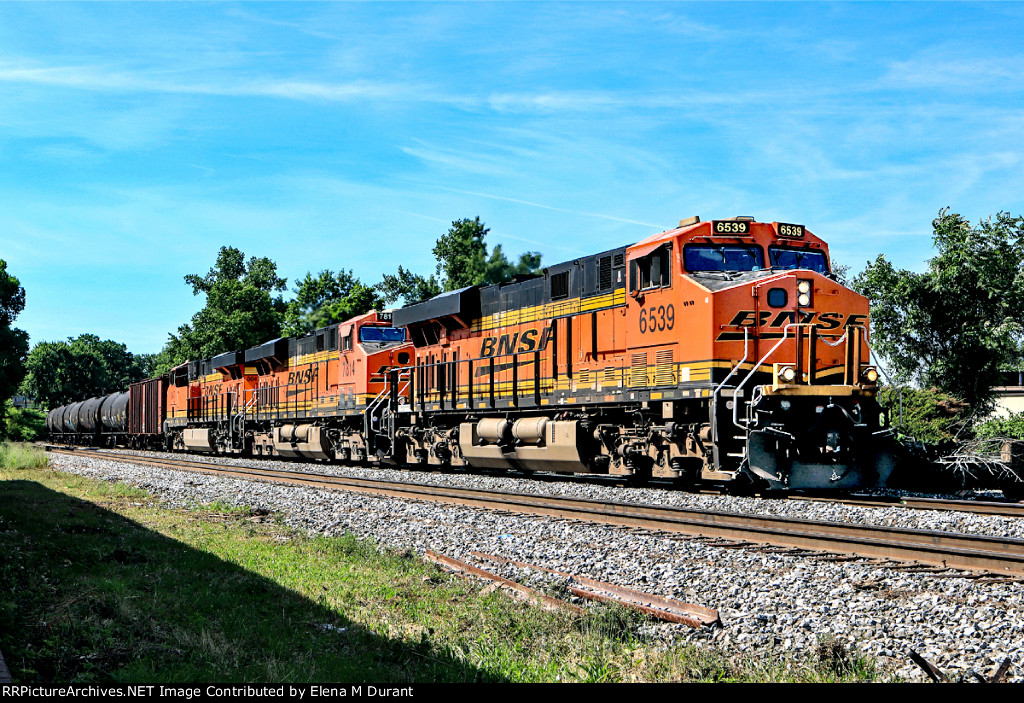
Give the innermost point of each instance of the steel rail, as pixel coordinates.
(950, 550)
(981, 507)
(1000, 508)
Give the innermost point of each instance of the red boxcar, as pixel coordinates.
(146, 411)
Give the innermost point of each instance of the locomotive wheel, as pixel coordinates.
(744, 485)
(1014, 492)
(687, 472)
(639, 477)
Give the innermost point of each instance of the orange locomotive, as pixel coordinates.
(302, 397)
(719, 351)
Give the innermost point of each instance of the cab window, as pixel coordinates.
(789, 258)
(651, 271)
(381, 335)
(718, 257)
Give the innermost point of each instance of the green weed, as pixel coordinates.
(15, 456)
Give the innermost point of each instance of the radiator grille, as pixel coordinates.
(638, 370)
(605, 267)
(584, 380)
(664, 368)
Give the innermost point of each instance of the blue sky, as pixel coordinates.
(136, 139)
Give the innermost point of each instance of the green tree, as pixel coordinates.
(240, 312)
(13, 342)
(83, 367)
(153, 365)
(326, 298)
(959, 323)
(500, 269)
(119, 366)
(407, 286)
(462, 260)
(461, 254)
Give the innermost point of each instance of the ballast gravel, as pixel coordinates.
(771, 604)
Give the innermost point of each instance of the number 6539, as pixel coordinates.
(657, 318)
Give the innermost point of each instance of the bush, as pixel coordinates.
(24, 424)
(929, 415)
(1011, 426)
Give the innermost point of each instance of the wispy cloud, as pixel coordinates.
(112, 79)
(355, 132)
(613, 218)
(463, 162)
(421, 215)
(575, 250)
(947, 67)
(107, 79)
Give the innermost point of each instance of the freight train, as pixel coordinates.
(721, 352)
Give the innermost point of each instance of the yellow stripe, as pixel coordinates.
(315, 358)
(548, 310)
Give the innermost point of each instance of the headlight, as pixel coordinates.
(870, 375)
(787, 374)
(804, 293)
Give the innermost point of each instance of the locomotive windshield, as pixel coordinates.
(381, 335)
(718, 257)
(785, 258)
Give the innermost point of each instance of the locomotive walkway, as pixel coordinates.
(939, 550)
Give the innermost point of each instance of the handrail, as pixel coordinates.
(370, 408)
(785, 336)
(753, 369)
(885, 373)
(387, 423)
(714, 395)
(239, 417)
(472, 392)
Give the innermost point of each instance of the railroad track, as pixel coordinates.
(1001, 508)
(941, 550)
(982, 507)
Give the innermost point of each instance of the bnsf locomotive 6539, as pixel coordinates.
(720, 352)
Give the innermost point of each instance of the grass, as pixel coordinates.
(99, 582)
(15, 456)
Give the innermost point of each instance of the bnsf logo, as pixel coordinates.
(308, 375)
(778, 320)
(767, 318)
(515, 343)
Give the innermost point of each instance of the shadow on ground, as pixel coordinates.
(87, 595)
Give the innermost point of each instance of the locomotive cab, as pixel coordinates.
(795, 404)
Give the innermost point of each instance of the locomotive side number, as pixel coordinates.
(657, 319)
